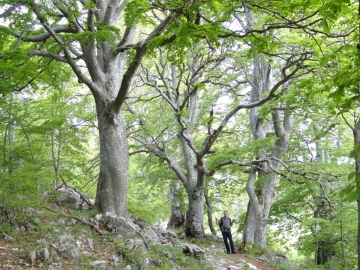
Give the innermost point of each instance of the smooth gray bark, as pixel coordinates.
(262, 197)
(195, 213)
(113, 179)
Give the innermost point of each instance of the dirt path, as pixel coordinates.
(238, 261)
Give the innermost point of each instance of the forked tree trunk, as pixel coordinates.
(262, 196)
(260, 202)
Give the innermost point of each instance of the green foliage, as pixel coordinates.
(42, 137)
(108, 33)
(148, 192)
(135, 12)
(311, 215)
(52, 121)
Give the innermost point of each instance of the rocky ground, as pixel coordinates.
(12, 258)
(236, 261)
(56, 237)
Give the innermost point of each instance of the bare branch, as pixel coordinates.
(54, 56)
(93, 226)
(272, 95)
(40, 37)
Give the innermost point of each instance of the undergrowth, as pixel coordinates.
(32, 232)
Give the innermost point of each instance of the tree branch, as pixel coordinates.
(40, 37)
(93, 226)
(140, 53)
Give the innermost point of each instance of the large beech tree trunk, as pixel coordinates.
(195, 184)
(325, 241)
(257, 215)
(195, 212)
(261, 182)
(113, 178)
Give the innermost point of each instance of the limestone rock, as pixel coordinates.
(135, 244)
(44, 253)
(150, 236)
(98, 264)
(74, 254)
(278, 259)
(54, 266)
(86, 243)
(116, 257)
(32, 257)
(120, 225)
(69, 198)
(9, 238)
(145, 264)
(64, 238)
(156, 263)
(196, 251)
(167, 237)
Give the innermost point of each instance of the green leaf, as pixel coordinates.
(325, 26)
(352, 196)
(324, 60)
(351, 175)
(345, 191)
(354, 151)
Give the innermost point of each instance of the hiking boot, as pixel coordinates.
(228, 252)
(233, 252)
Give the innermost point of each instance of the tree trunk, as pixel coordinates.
(209, 213)
(259, 205)
(113, 178)
(195, 213)
(177, 218)
(326, 242)
(261, 182)
(356, 132)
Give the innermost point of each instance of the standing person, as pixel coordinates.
(225, 224)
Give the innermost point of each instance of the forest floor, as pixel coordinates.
(261, 265)
(12, 258)
(16, 245)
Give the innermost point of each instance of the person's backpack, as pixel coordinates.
(221, 220)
